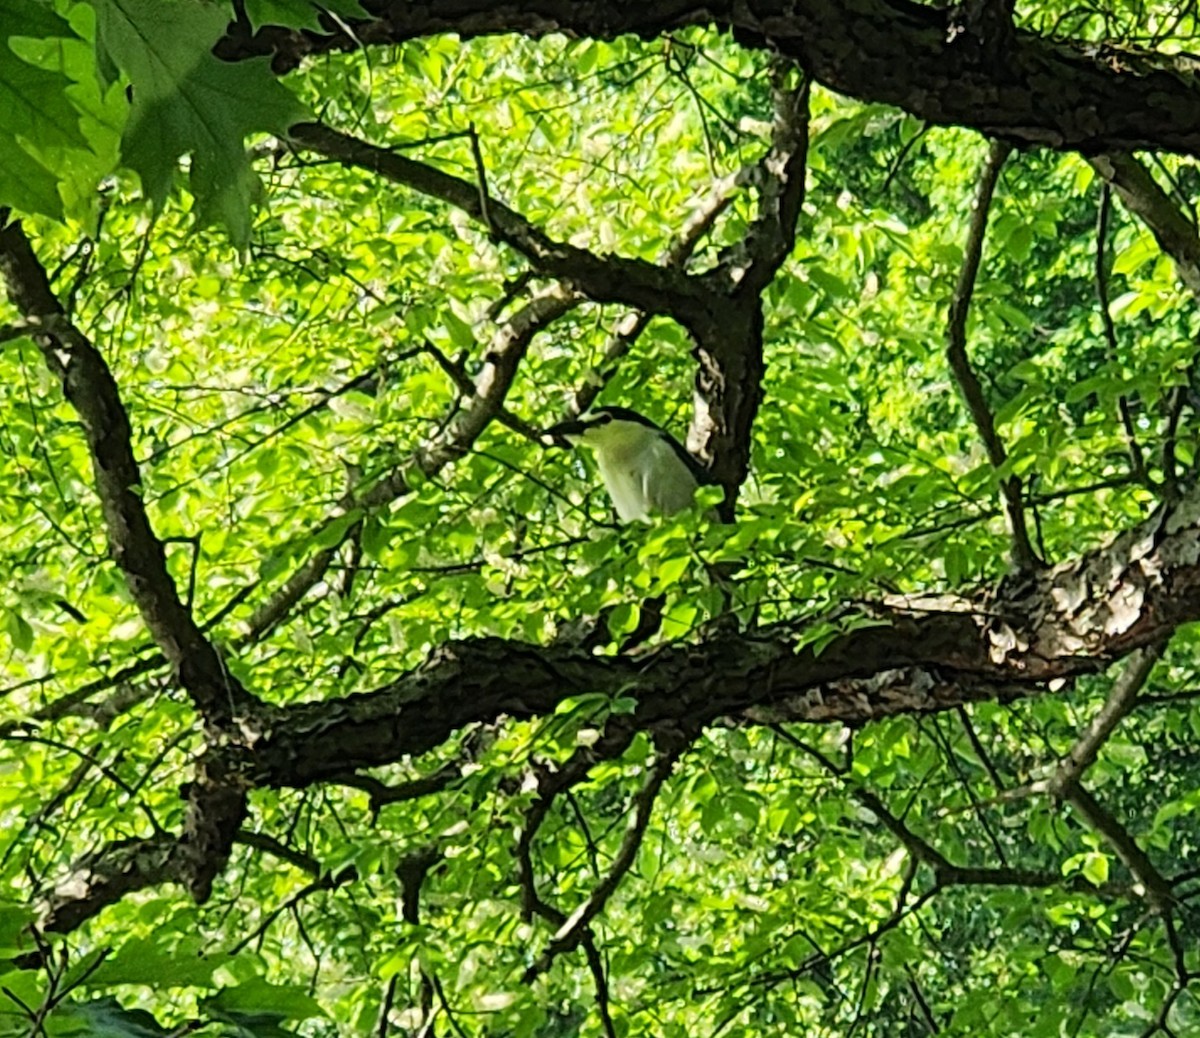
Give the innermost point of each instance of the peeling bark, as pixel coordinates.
(1033, 636)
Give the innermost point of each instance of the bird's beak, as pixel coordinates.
(561, 434)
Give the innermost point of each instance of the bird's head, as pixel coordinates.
(645, 469)
(604, 428)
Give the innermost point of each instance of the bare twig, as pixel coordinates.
(611, 279)
(571, 932)
(596, 965)
(485, 215)
(1158, 889)
(1137, 464)
(956, 353)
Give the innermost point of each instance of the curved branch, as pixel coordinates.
(960, 364)
(729, 348)
(574, 929)
(606, 279)
(945, 65)
(1172, 229)
(90, 388)
(922, 655)
(917, 655)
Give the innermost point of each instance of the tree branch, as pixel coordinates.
(1177, 236)
(1121, 699)
(1137, 464)
(749, 266)
(729, 348)
(90, 388)
(694, 228)
(606, 279)
(1172, 229)
(575, 928)
(931, 61)
(921, 655)
(956, 353)
(1098, 818)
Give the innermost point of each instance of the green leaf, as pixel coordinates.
(259, 999)
(19, 631)
(1095, 868)
(107, 1018)
(187, 102)
(669, 571)
(35, 111)
(299, 14)
(14, 929)
(145, 960)
(460, 333)
(623, 618)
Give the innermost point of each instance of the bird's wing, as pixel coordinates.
(699, 473)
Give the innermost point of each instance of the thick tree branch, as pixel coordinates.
(729, 350)
(946, 64)
(104, 877)
(606, 279)
(923, 655)
(749, 266)
(1172, 229)
(90, 388)
(956, 353)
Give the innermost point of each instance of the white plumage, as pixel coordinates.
(645, 470)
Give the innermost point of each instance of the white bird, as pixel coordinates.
(645, 469)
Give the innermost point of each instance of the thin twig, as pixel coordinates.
(1120, 701)
(572, 932)
(596, 965)
(485, 215)
(956, 353)
(1137, 463)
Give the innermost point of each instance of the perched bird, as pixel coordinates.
(645, 469)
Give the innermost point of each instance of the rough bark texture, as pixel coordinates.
(924, 655)
(1034, 635)
(1174, 232)
(943, 65)
(90, 388)
(965, 64)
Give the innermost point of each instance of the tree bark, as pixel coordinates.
(945, 65)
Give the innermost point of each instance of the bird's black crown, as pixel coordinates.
(603, 415)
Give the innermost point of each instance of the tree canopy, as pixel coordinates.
(336, 701)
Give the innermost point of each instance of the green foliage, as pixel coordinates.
(36, 113)
(187, 102)
(277, 362)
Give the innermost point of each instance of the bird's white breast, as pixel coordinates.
(644, 475)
